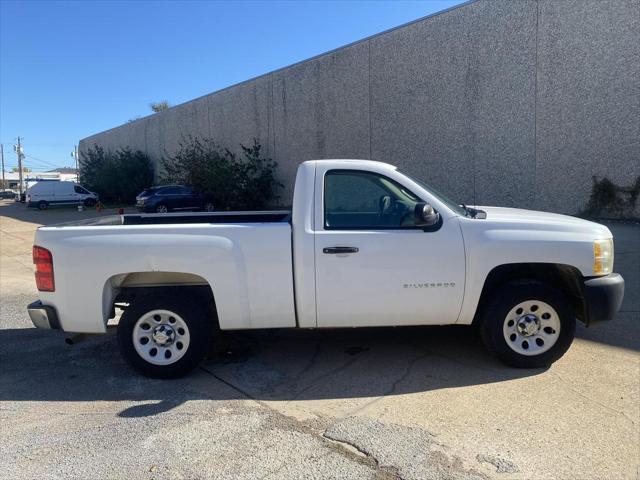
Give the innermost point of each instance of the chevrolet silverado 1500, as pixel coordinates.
(364, 246)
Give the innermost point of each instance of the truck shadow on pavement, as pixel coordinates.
(277, 365)
(272, 365)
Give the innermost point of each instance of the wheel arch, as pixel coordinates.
(124, 288)
(565, 278)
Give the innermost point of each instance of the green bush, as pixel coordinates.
(245, 182)
(609, 200)
(117, 177)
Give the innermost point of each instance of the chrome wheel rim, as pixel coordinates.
(531, 327)
(209, 207)
(161, 209)
(161, 337)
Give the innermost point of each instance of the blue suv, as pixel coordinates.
(168, 198)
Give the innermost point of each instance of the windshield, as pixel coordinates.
(148, 192)
(443, 198)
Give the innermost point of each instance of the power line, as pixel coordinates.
(34, 162)
(39, 159)
(46, 163)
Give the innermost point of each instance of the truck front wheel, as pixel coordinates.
(528, 324)
(163, 336)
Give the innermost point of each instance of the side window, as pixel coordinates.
(364, 200)
(78, 189)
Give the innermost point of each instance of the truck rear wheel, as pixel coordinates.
(528, 324)
(163, 336)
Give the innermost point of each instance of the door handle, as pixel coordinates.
(336, 250)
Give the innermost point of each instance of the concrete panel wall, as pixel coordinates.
(494, 102)
(238, 114)
(588, 102)
(321, 110)
(453, 100)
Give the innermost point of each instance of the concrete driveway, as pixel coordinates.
(411, 403)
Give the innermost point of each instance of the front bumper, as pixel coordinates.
(43, 316)
(603, 297)
(145, 207)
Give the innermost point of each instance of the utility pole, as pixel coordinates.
(18, 149)
(74, 154)
(2, 155)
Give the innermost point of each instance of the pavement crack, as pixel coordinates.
(352, 450)
(322, 377)
(283, 421)
(406, 373)
(313, 359)
(394, 385)
(237, 389)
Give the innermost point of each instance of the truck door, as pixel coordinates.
(374, 267)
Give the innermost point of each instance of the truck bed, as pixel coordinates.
(245, 258)
(270, 216)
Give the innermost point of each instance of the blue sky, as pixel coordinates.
(71, 69)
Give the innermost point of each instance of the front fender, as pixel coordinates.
(489, 248)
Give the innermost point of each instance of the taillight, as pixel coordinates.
(43, 260)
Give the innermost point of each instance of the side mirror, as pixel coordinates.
(425, 215)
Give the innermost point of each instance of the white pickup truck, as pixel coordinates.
(364, 246)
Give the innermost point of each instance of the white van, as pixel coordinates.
(54, 192)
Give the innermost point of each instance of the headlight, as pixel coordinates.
(603, 256)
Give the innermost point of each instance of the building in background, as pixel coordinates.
(493, 102)
(12, 179)
(67, 174)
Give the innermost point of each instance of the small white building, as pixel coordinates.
(12, 179)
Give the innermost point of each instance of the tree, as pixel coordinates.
(247, 182)
(159, 106)
(116, 176)
(257, 186)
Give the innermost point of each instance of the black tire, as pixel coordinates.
(89, 202)
(501, 304)
(42, 205)
(162, 208)
(192, 311)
